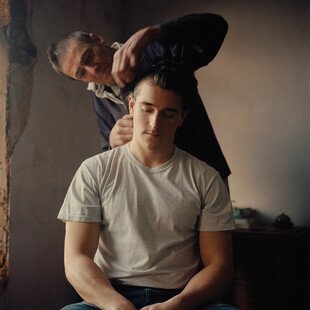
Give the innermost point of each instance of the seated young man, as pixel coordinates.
(147, 224)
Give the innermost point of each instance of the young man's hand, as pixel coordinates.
(122, 131)
(159, 306)
(124, 305)
(171, 304)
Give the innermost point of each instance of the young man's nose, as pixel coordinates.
(155, 121)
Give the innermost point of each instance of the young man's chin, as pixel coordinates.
(157, 147)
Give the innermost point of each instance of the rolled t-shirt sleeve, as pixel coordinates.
(217, 212)
(82, 201)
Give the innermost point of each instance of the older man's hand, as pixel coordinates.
(122, 131)
(126, 60)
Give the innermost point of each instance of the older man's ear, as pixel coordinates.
(97, 39)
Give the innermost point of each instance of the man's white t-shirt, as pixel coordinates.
(150, 217)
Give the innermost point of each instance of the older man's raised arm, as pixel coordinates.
(194, 39)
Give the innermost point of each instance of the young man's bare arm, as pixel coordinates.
(208, 284)
(81, 242)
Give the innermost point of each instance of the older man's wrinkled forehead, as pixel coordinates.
(69, 55)
(69, 46)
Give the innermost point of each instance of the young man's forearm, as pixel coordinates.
(206, 286)
(210, 283)
(93, 286)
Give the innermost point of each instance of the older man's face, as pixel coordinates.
(88, 62)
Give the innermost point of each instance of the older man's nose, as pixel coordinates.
(92, 69)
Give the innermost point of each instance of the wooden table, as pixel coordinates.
(270, 268)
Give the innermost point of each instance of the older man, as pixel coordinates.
(193, 40)
(142, 217)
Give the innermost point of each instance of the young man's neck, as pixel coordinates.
(149, 158)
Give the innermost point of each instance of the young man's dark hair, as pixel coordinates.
(175, 77)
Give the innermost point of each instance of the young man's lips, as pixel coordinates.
(155, 134)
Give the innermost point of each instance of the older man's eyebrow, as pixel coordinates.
(83, 60)
(85, 56)
(78, 73)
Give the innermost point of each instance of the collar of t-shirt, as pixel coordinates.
(111, 92)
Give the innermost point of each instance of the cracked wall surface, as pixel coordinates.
(16, 68)
(60, 132)
(4, 161)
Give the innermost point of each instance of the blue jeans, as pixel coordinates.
(144, 296)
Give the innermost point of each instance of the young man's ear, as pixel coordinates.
(184, 114)
(131, 103)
